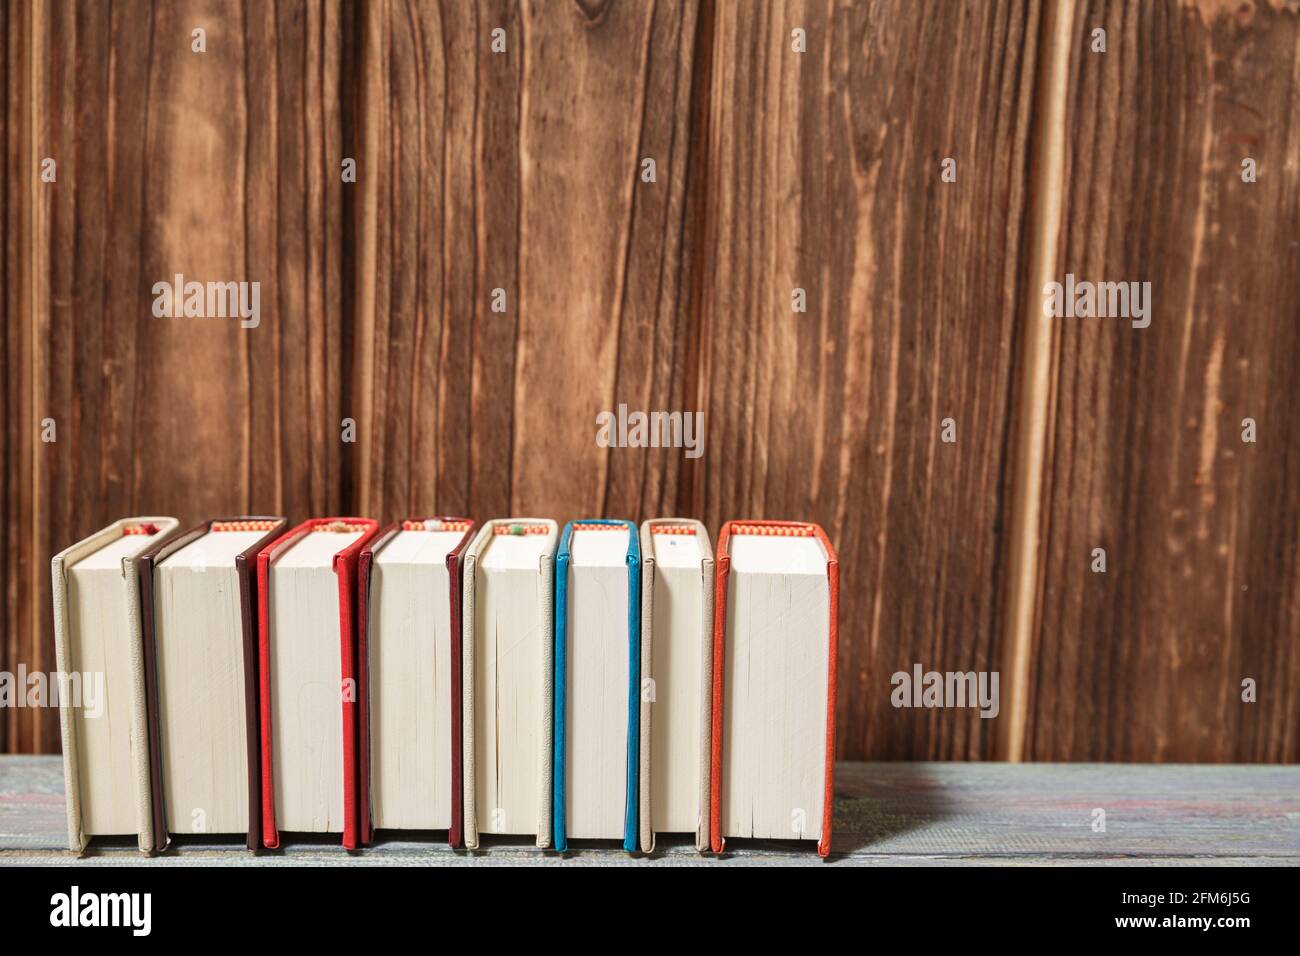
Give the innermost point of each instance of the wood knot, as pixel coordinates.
(594, 10)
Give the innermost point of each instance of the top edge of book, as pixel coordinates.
(235, 525)
(216, 548)
(521, 528)
(776, 554)
(515, 552)
(672, 528)
(676, 542)
(339, 526)
(449, 525)
(774, 529)
(420, 545)
(601, 544)
(778, 547)
(318, 546)
(133, 537)
(678, 551)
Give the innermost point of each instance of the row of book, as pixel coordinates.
(606, 683)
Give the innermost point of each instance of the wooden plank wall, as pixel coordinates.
(1202, 587)
(823, 176)
(517, 172)
(774, 170)
(216, 166)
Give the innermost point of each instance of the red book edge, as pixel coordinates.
(363, 674)
(722, 570)
(344, 564)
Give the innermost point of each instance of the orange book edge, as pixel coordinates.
(722, 570)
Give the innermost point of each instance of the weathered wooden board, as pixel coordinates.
(1145, 454)
(824, 172)
(885, 814)
(16, 629)
(774, 170)
(606, 87)
(436, 212)
(220, 166)
(519, 171)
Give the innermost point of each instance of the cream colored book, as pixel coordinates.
(676, 679)
(597, 683)
(199, 606)
(103, 711)
(310, 691)
(410, 579)
(507, 700)
(775, 635)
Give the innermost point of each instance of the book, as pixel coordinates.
(776, 617)
(98, 636)
(676, 679)
(508, 639)
(409, 654)
(307, 678)
(597, 682)
(199, 615)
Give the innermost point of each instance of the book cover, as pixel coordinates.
(508, 699)
(95, 585)
(775, 691)
(263, 529)
(343, 563)
(447, 539)
(676, 695)
(566, 627)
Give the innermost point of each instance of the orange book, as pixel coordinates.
(775, 631)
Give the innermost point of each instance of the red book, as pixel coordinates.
(775, 631)
(307, 582)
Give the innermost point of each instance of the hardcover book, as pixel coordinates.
(409, 660)
(199, 612)
(98, 635)
(597, 681)
(508, 652)
(307, 677)
(676, 679)
(776, 611)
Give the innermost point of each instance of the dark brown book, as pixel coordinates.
(453, 535)
(256, 532)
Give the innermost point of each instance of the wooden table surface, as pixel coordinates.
(886, 814)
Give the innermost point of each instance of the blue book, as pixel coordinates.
(597, 682)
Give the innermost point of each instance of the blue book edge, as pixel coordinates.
(563, 557)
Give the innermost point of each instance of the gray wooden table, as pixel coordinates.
(886, 814)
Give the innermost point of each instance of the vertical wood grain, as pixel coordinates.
(438, 211)
(16, 203)
(518, 171)
(774, 170)
(27, 515)
(8, 572)
(1202, 587)
(824, 175)
(221, 166)
(658, 348)
(605, 86)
